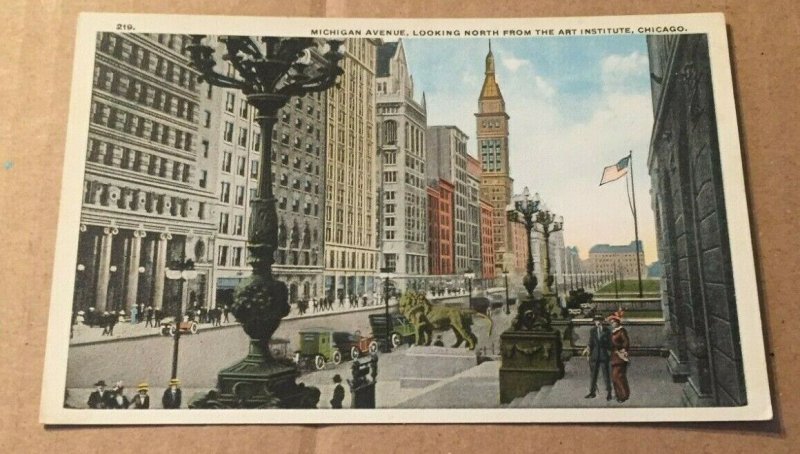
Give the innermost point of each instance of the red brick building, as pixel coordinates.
(488, 270)
(441, 254)
(520, 241)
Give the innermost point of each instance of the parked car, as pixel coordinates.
(354, 343)
(187, 327)
(401, 330)
(317, 346)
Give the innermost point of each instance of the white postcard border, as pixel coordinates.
(713, 24)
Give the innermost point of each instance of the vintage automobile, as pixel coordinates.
(187, 327)
(354, 343)
(279, 347)
(319, 346)
(401, 330)
(485, 304)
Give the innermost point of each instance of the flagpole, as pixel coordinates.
(635, 224)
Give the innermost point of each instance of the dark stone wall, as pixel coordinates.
(692, 224)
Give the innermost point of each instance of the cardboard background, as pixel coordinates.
(36, 69)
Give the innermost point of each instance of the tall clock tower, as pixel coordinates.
(496, 185)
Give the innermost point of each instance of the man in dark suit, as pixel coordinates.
(172, 395)
(338, 392)
(99, 397)
(598, 351)
(141, 400)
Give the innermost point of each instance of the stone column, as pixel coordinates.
(161, 263)
(103, 276)
(133, 269)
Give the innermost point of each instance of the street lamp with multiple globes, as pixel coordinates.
(185, 272)
(505, 279)
(469, 276)
(549, 223)
(269, 72)
(386, 276)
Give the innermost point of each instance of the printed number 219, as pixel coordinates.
(125, 27)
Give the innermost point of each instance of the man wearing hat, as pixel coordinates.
(172, 395)
(141, 401)
(99, 397)
(338, 392)
(598, 352)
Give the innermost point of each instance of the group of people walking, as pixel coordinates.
(608, 352)
(115, 398)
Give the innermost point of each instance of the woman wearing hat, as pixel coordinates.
(141, 401)
(620, 343)
(118, 400)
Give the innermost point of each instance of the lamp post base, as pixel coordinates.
(259, 381)
(530, 359)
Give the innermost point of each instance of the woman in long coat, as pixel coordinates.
(620, 343)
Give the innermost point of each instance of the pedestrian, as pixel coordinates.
(620, 344)
(91, 318)
(172, 395)
(141, 400)
(106, 322)
(158, 314)
(117, 399)
(598, 353)
(148, 317)
(98, 397)
(225, 311)
(338, 392)
(134, 315)
(112, 321)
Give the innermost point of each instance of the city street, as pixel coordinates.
(202, 355)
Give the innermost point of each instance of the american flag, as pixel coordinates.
(616, 171)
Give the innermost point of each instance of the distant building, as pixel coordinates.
(655, 270)
(402, 200)
(351, 251)
(605, 259)
(441, 256)
(489, 269)
(474, 236)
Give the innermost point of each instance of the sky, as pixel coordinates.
(577, 104)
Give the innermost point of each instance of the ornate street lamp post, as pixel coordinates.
(505, 279)
(185, 272)
(269, 72)
(523, 211)
(469, 276)
(531, 329)
(386, 275)
(549, 224)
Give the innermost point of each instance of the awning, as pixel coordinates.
(227, 282)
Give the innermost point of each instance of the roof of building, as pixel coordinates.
(385, 54)
(616, 249)
(490, 88)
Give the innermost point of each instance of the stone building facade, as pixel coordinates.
(606, 259)
(146, 206)
(689, 205)
(489, 269)
(351, 252)
(474, 237)
(441, 236)
(230, 132)
(493, 152)
(447, 159)
(402, 198)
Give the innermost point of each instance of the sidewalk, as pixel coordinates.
(84, 335)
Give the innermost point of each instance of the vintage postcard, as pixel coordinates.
(304, 220)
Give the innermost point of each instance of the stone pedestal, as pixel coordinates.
(259, 381)
(531, 359)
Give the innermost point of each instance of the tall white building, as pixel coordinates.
(447, 159)
(403, 226)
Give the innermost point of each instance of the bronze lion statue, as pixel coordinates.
(427, 317)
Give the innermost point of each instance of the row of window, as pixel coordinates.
(124, 198)
(144, 94)
(241, 165)
(123, 121)
(358, 260)
(138, 161)
(126, 51)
